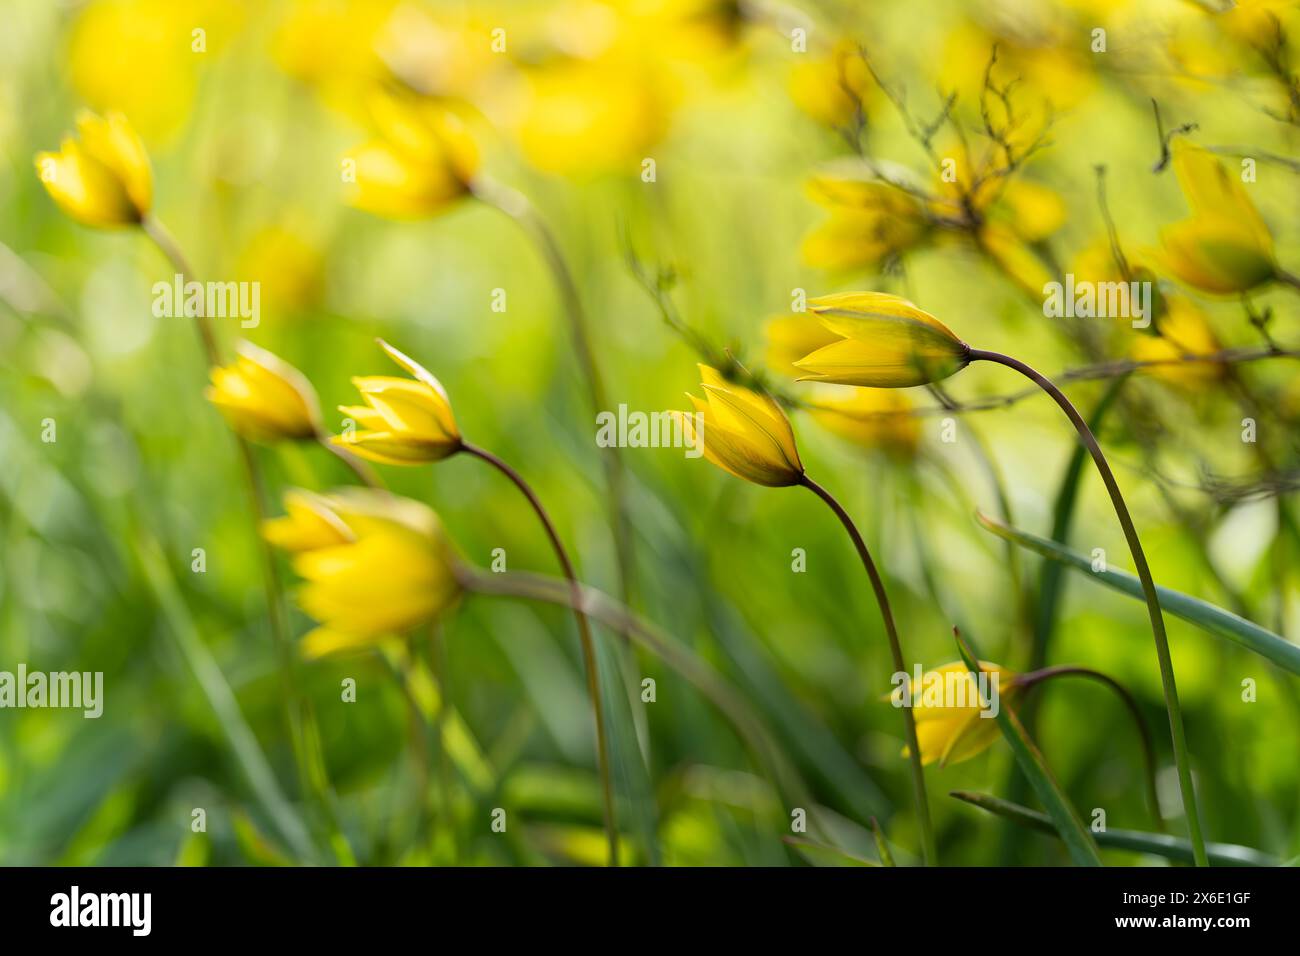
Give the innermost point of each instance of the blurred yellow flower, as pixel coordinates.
(592, 116)
(421, 163)
(887, 343)
(1034, 210)
(1097, 263)
(373, 565)
(1225, 247)
(140, 56)
(744, 432)
(1260, 23)
(406, 421)
(264, 398)
(289, 268)
(871, 418)
(696, 30)
(1014, 257)
(947, 733)
(310, 522)
(834, 88)
(331, 45)
(103, 179)
(870, 220)
(791, 337)
(1037, 52)
(1183, 330)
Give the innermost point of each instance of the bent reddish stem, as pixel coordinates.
(928, 848)
(584, 634)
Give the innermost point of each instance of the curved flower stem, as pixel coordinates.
(1034, 678)
(928, 848)
(584, 634)
(302, 726)
(519, 208)
(1179, 735)
(167, 244)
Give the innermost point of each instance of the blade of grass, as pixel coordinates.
(1067, 823)
(1203, 614)
(882, 846)
(180, 625)
(1158, 844)
(832, 855)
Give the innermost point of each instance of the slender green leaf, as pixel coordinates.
(1071, 829)
(1203, 614)
(882, 845)
(823, 854)
(1158, 844)
(180, 625)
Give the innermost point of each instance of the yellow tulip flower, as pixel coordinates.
(406, 421)
(421, 163)
(264, 398)
(1225, 247)
(745, 432)
(592, 116)
(871, 418)
(887, 342)
(832, 88)
(1034, 210)
(102, 179)
(791, 337)
(870, 221)
(138, 56)
(950, 734)
(1183, 330)
(373, 565)
(310, 522)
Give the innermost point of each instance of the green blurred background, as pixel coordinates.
(246, 140)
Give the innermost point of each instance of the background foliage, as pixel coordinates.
(246, 140)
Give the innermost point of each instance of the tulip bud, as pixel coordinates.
(103, 179)
(949, 725)
(745, 433)
(421, 163)
(264, 398)
(405, 421)
(887, 342)
(373, 565)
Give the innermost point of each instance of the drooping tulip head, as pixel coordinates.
(264, 398)
(101, 178)
(947, 706)
(744, 432)
(887, 342)
(405, 421)
(373, 565)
